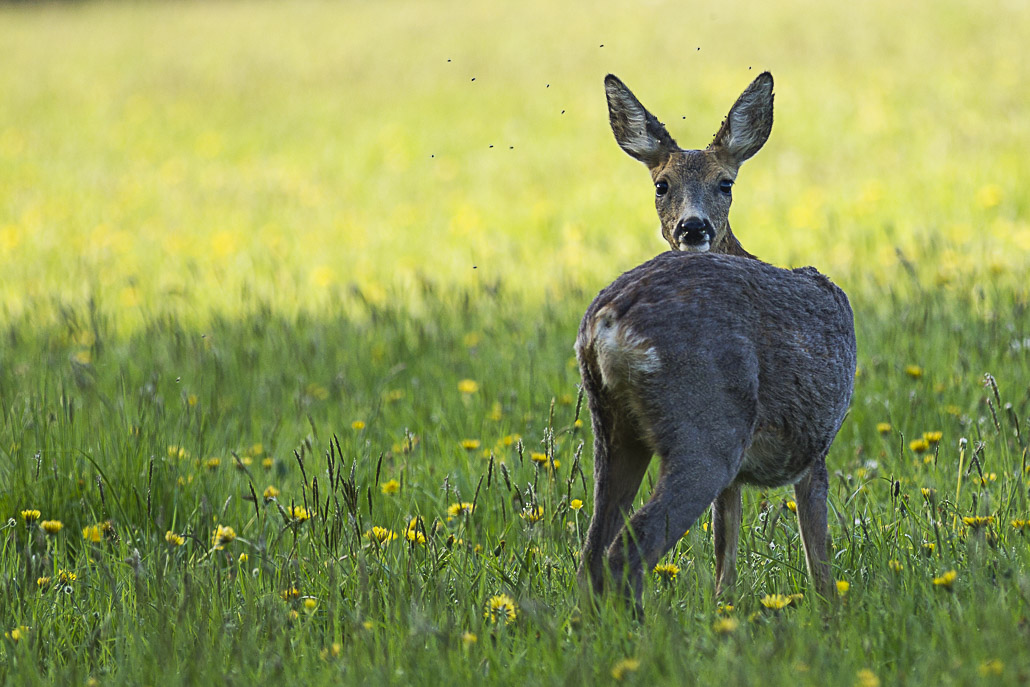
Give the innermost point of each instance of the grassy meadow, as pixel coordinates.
(288, 293)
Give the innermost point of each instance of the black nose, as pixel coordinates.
(694, 231)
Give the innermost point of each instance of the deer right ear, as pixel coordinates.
(636, 130)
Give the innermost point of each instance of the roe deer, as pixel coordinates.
(731, 370)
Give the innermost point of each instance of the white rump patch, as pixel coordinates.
(622, 354)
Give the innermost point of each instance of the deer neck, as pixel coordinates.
(731, 246)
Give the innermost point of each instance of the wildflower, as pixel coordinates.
(532, 513)
(667, 571)
(914, 371)
(212, 463)
(270, 492)
(933, 437)
(222, 537)
(93, 533)
(391, 487)
(843, 586)
(256, 449)
(470, 444)
(381, 535)
(501, 606)
(17, 633)
(51, 527)
(992, 667)
(895, 565)
(243, 558)
(468, 386)
(310, 604)
(174, 539)
(538, 457)
(43, 582)
(625, 667)
(988, 477)
(299, 513)
(883, 427)
(495, 412)
(792, 506)
(575, 504)
(776, 602)
(177, 452)
(267, 463)
(358, 425)
(578, 424)
(953, 410)
(191, 400)
(243, 463)
(66, 576)
(30, 516)
(332, 652)
(1021, 525)
(929, 494)
(289, 594)
(510, 439)
(468, 639)
(928, 548)
(866, 678)
(919, 445)
(456, 509)
(414, 534)
(725, 625)
(393, 395)
(292, 615)
(946, 580)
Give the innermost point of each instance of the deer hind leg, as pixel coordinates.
(726, 515)
(810, 494)
(620, 460)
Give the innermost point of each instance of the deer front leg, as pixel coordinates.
(810, 494)
(726, 515)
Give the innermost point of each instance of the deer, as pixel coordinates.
(732, 371)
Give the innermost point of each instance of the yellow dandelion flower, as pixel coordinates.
(667, 571)
(929, 493)
(310, 605)
(914, 371)
(30, 515)
(299, 513)
(212, 463)
(919, 445)
(843, 586)
(577, 424)
(267, 463)
(243, 463)
(270, 493)
(468, 639)
(358, 425)
(776, 602)
(988, 196)
(66, 576)
(468, 386)
(532, 513)
(42, 582)
(177, 452)
(538, 457)
(456, 509)
(393, 395)
(382, 535)
(222, 537)
(623, 668)
(191, 400)
(792, 506)
(946, 580)
(895, 565)
(883, 427)
(414, 534)
(575, 504)
(243, 558)
(289, 594)
(866, 678)
(18, 633)
(510, 440)
(174, 539)
(725, 625)
(1021, 524)
(501, 607)
(978, 521)
(470, 444)
(51, 527)
(933, 437)
(93, 533)
(391, 487)
(929, 547)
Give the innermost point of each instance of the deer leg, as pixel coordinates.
(620, 461)
(810, 494)
(726, 514)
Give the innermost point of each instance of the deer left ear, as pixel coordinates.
(747, 126)
(637, 131)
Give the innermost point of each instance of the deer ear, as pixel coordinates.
(747, 126)
(636, 130)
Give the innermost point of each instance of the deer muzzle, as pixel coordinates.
(694, 234)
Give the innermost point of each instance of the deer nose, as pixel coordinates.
(694, 231)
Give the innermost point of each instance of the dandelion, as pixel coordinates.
(843, 586)
(299, 513)
(883, 427)
(776, 602)
(578, 424)
(243, 558)
(929, 493)
(919, 445)
(538, 457)
(532, 513)
(30, 515)
(17, 633)
(929, 547)
(174, 539)
(624, 667)
(501, 607)
(310, 605)
(866, 678)
(978, 522)
(43, 582)
(270, 492)
(946, 580)
(212, 463)
(267, 463)
(993, 667)
(243, 463)
(191, 400)
(391, 487)
(414, 534)
(792, 506)
(456, 509)
(357, 425)
(914, 371)
(725, 625)
(51, 527)
(668, 571)
(468, 386)
(510, 440)
(470, 444)
(895, 566)
(468, 639)
(575, 504)
(93, 533)
(987, 478)
(178, 452)
(66, 576)
(933, 437)
(1021, 525)
(222, 537)
(953, 410)
(381, 535)
(289, 594)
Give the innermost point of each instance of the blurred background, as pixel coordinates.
(221, 157)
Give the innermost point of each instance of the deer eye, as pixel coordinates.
(726, 185)
(661, 187)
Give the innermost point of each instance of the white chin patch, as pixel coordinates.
(695, 248)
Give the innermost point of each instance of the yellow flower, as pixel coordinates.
(468, 386)
(267, 463)
(993, 667)
(381, 535)
(538, 457)
(866, 678)
(177, 452)
(42, 582)
(358, 425)
(174, 539)
(914, 371)
(624, 667)
(66, 576)
(318, 392)
(456, 509)
(928, 493)
(978, 521)
(468, 639)
(17, 633)
(501, 606)
(222, 537)
(510, 439)
(532, 513)
(946, 580)
(1021, 524)
(310, 605)
(667, 570)
(191, 400)
(51, 527)
(289, 594)
(895, 565)
(243, 558)
(725, 625)
(843, 586)
(929, 547)
(792, 506)
(933, 437)
(256, 449)
(495, 412)
(575, 504)
(470, 444)
(776, 602)
(270, 492)
(393, 395)
(299, 513)
(413, 533)
(883, 427)
(93, 533)
(391, 487)
(30, 515)
(919, 445)
(212, 463)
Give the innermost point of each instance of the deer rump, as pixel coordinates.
(690, 342)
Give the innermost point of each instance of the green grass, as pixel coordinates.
(276, 236)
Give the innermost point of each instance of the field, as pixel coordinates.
(287, 301)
